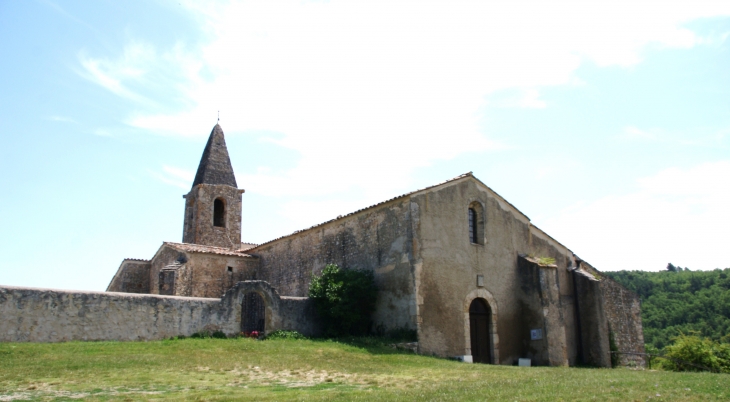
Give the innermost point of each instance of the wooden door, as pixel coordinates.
(480, 317)
(253, 314)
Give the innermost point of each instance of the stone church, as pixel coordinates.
(454, 262)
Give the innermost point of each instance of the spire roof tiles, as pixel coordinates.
(215, 164)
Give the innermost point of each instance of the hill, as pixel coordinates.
(681, 301)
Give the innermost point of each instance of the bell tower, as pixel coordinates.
(213, 205)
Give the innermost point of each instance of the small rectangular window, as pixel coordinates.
(230, 269)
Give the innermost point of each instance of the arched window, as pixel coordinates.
(219, 213)
(476, 223)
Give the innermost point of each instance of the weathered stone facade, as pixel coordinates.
(213, 205)
(592, 324)
(455, 262)
(623, 312)
(377, 240)
(196, 270)
(45, 315)
(199, 211)
(133, 276)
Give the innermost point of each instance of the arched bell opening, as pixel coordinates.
(253, 314)
(219, 213)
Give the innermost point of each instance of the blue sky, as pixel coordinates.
(607, 124)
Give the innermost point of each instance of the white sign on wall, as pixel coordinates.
(535, 334)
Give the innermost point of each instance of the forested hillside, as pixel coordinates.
(681, 301)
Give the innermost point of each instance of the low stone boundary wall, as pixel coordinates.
(49, 315)
(282, 312)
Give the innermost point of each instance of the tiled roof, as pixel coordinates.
(173, 266)
(364, 209)
(215, 164)
(199, 248)
(136, 259)
(245, 246)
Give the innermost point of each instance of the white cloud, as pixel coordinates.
(70, 16)
(179, 173)
(366, 92)
(317, 211)
(102, 132)
(61, 119)
(144, 74)
(634, 133)
(174, 176)
(697, 137)
(110, 75)
(524, 98)
(678, 215)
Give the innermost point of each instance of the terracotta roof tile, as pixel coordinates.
(199, 248)
(245, 246)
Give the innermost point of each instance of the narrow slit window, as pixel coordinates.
(473, 226)
(219, 213)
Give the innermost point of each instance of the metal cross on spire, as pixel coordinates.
(219, 116)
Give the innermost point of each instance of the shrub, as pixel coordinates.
(700, 351)
(344, 300)
(219, 335)
(208, 334)
(281, 334)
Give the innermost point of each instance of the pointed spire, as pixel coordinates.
(215, 165)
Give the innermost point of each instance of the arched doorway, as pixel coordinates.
(480, 317)
(253, 314)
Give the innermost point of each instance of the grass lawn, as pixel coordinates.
(364, 369)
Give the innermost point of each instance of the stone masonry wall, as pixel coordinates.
(209, 275)
(378, 239)
(623, 311)
(592, 321)
(198, 226)
(541, 247)
(450, 267)
(541, 309)
(133, 276)
(283, 312)
(45, 315)
(201, 274)
(164, 257)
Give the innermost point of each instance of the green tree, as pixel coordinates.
(344, 299)
(680, 301)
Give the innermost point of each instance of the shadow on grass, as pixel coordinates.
(372, 344)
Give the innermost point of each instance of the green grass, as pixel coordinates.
(364, 369)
